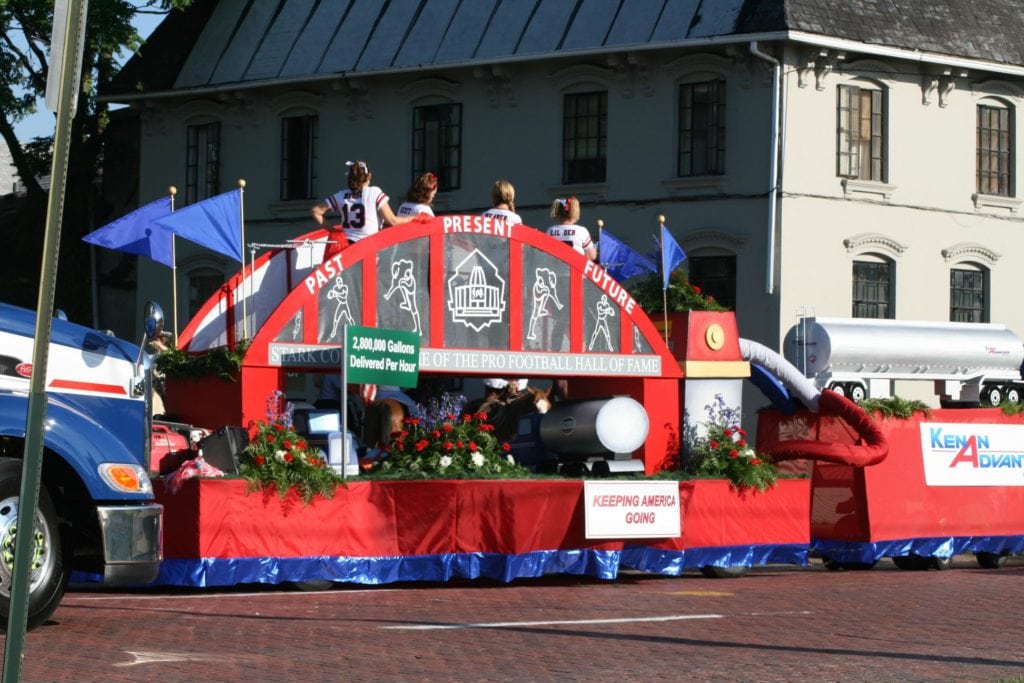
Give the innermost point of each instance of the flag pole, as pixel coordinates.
(664, 290)
(174, 275)
(241, 210)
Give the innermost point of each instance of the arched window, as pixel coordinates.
(874, 287)
(714, 271)
(969, 293)
(202, 284)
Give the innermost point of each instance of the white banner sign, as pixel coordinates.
(632, 509)
(965, 454)
(540, 362)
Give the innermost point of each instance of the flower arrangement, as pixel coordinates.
(444, 445)
(278, 459)
(722, 451)
(681, 295)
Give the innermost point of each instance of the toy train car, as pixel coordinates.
(969, 363)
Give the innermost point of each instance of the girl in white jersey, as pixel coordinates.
(420, 196)
(363, 207)
(503, 199)
(566, 214)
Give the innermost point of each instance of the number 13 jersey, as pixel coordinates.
(360, 211)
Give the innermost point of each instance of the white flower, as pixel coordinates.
(748, 452)
(445, 462)
(279, 456)
(511, 460)
(477, 457)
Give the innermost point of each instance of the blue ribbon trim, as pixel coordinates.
(942, 546)
(601, 564)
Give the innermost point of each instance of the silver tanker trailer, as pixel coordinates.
(976, 363)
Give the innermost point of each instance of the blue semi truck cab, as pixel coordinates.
(96, 512)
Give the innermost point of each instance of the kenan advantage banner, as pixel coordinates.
(972, 454)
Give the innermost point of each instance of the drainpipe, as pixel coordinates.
(769, 283)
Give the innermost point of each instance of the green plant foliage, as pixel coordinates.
(723, 452)
(680, 296)
(894, 407)
(1011, 408)
(217, 362)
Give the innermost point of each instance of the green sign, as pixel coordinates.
(376, 356)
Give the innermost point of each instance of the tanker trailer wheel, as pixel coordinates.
(48, 575)
(991, 560)
(713, 572)
(834, 566)
(1013, 394)
(857, 392)
(991, 396)
(942, 563)
(838, 388)
(913, 563)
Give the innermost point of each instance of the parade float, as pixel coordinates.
(488, 299)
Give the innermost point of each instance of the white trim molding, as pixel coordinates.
(874, 242)
(992, 201)
(853, 186)
(970, 251)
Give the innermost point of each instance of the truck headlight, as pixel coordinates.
(125, 478)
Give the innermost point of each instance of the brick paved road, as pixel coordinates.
(776, 624)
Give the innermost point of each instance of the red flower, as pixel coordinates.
(713, 444)
(480, 416)
(287, 444)
(459, 444)
(451, 416)
(742, 442)
(486, 428)
(271, 438)
(755, 461)
(259, 460)
(734, 453)
(448, 445)
(467, 417)
(411, 420)
(288, 457)
(506, 447)
(303, 445)
(742, 431)
(435, 434)
(473, 446)
(421, 444)
(447, 428)
(279, 427)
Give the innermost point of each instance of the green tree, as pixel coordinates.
(25, 30)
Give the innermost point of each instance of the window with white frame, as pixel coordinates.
(873, 287)
(299, 137)
(716, 276)
(995, 149)
(202, 161)
(861, 133)
(701, 128)
(437, 143)
(968, 294)
(584, 137)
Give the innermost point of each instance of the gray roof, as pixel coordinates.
(224, 42)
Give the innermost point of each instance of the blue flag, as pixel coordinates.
(671, 255)
(620, 261)
(215, 223)
(136, 233)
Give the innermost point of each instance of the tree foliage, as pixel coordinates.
(25, 30)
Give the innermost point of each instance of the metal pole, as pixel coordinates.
(17, 620)
(344, 400)
(174, 271)
(241, 217)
